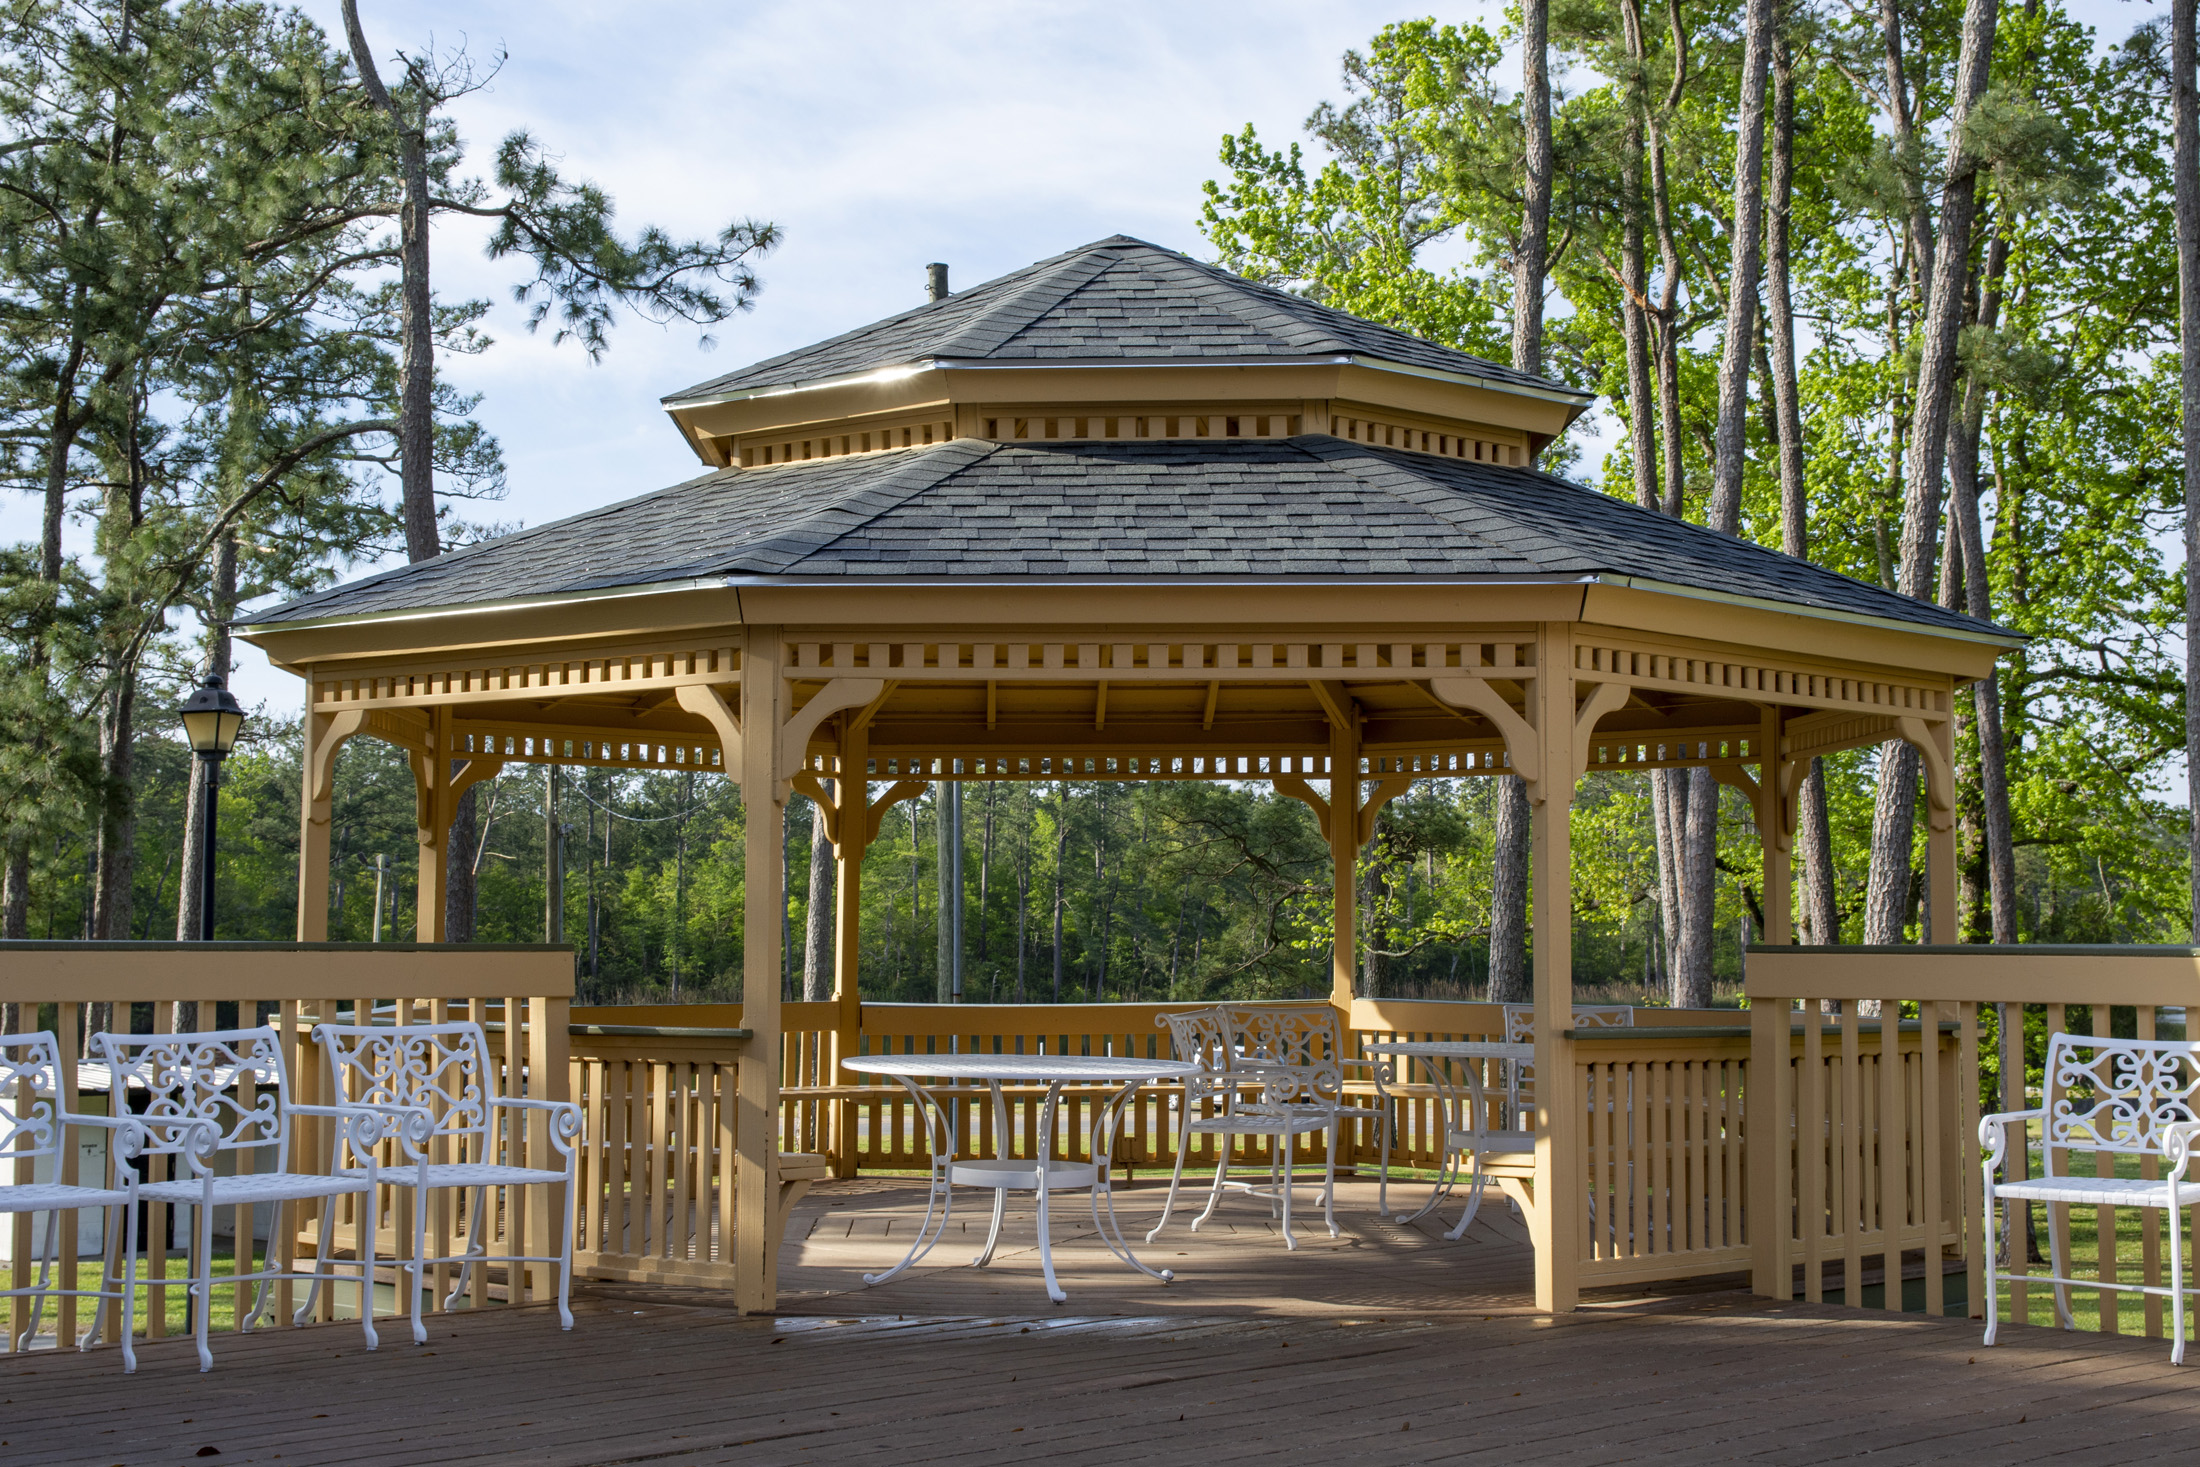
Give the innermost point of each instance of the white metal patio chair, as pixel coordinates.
(2122, 1097)
(1273, 1070)
(1496, 1135)
(1520, 1029)
(227, 1092)
(35, 1117)
(444, 1070)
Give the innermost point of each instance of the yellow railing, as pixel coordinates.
(77, 989)
(1871, 1163)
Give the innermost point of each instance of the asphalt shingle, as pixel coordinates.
(1314, 506)
(1115, 299)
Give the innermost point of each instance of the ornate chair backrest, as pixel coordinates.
(440, 1068)
(1520, 1029)
(1298, 1049)
(30, 1097)
(1200, 1037)
(1520, 1019)
(227, 1085)
(2118, 1094)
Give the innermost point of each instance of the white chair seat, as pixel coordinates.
(254, 1187)
(1257, 1123)
(46, 1196)
(466, 1174)
(2100, 1191)
(1495, 1143)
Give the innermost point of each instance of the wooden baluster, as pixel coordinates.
(1892, 1138)
(2058, 1215)
(1853, 1143)
(1960, 1150)
(2150, 1219)
(2015, 1095)
(2104, 1218)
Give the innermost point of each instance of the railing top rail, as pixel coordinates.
(39, 944)
(1654, 1033)
(1979, 973)
(154, 972)
(1984, 949)
(652, 1031)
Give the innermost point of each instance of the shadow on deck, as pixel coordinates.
(1387, 1345)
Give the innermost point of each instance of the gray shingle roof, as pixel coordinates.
(1313, 506)
(1117, 299)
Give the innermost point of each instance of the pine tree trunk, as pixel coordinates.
(943, 894)
(1729, 439)
(1946, 300)
(1699, 868)
(817, 944)
(2185, 109)
(462, 846)
(1531, 259)
(1061, 860)
(1814, 833)
(1509, 979)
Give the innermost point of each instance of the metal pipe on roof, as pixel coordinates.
(935, 281)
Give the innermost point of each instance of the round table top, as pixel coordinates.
(1044, 1068)
(1454, 1048)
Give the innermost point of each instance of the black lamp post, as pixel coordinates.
(211, 718)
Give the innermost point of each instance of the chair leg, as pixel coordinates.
(2061, 1264)
(1222, 1172)
(201, 1290)
(1992, 1245)
(321, 1265)
(2176, 1286)
(111, 1240)
(1474, 1202)
(993, 1234)
(366, 1272)
(474, 1247)
(416, 1270)
(565, 1265)
(45, 1276)
(129, 1289)
(1280, 1194)
(1176, 1180)
(1329, 1183)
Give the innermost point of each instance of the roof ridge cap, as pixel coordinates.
(1041, 295)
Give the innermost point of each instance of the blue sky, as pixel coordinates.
(879, 136)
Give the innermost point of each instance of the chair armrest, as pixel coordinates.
(564, 1117)
(2177, 1139)
(367, 1122)
(1995, 1138)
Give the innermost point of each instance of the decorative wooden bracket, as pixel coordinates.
(839, 694)
(1364, 827)
(1520, 740)
(1380, 796)
(1299, 789)
(1603, 698)
(828, 806)
(907, 789)
(437, 804)
(322, 777)
(1940, 789)
(709, 703)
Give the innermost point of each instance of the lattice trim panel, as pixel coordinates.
(1423, 440)
(657, 752)
(1624, 755)
(1235, 422)
(1511, 658)
(1022, 766)
(620, 673)
(1758, 682)
(792, 448)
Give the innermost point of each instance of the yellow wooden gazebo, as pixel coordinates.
(1122, 515)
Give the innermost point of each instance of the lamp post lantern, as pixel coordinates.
(211, 717)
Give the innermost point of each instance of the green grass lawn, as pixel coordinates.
(224, 1315)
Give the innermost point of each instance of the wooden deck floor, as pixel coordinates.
(1384, 1347)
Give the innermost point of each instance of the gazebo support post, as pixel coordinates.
(1776, 780)
(1554, 1222)
(325, 734)
(432, 786)
(756, 1117)
(852, 795)
(1344, 856)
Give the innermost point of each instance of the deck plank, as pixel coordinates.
(1388, 1345)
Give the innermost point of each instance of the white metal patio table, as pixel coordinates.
(917, 1073)
(1440, 1060)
